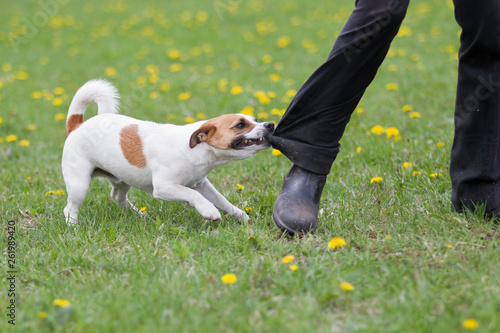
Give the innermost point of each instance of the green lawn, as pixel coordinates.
(415, 266)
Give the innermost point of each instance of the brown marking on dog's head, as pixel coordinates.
(73, 122)
(131, 145)
(220, 132)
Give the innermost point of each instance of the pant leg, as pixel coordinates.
(310, 130)
(475, 155)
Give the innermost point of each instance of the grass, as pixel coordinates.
(415, 266)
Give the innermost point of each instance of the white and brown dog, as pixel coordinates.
(169, 161)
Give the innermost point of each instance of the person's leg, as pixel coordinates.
(311, 128)
(475, 155)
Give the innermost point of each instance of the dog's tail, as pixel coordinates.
(101, 92)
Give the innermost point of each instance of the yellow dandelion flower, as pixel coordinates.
(404, 31)
(346, 286)
(288, 259)
(470, 324)
(435, 175)
(222, 84)
(392, 68)
(388, 237)
(61, 302)
(240, 187)
(278, 112)
(391, 86)
(449, 246)
(283, 41)
(359, 149)
(57, 101)
(376, 179)
(58, 192)
(236, 90)
(392, 132)
(248, 110)
(111, 72)
(407, 165)
(143, 209)
(407, 108)
(164, 86)
(229, 278)
(209, 69)
(201, 16)
(190, 120)
(152, 69)
(58, 91)
(360, 110)
(174, 54)
(201, 116)
(6, 67)
(276, 152)
(293, 267)
(248, 209)
(36, 95)
(154, 94)
(416, 173)
(175, 67)
(377, 129)
(1, 120)
(60, 116)
(21, 75)
(41, 315)
(440, 144)
(262, 115)
(262, 97)
(184, 96)
(291, 93)
(274, 77)
(336, 242)
(267, 59)
(11, 138)
(24, 143)
(415, 115)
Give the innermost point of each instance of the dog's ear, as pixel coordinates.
(201, 134)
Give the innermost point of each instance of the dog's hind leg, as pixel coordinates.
(77, 186)
(119, 193)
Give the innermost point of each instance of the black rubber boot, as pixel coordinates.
(297, 205)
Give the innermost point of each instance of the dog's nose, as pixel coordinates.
(269, 126)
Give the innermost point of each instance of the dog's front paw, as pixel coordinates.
(209, 212)
(214, 216)
(243, 217)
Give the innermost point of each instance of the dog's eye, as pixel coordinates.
(240, 125)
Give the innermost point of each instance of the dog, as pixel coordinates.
(169, 161)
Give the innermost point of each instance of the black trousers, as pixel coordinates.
(311, 128)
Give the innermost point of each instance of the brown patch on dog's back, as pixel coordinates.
(131, 146)
(73, 122)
